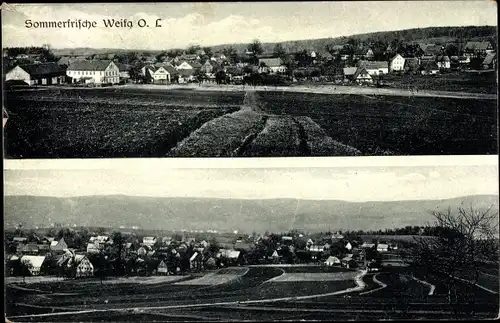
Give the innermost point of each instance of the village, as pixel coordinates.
(359, 63)
(122, 253)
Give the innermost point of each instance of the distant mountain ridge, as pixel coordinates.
(226, 215)
(429, 34)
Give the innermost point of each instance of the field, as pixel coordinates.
(455, 81)
(190, 122)
(399, 125)
(256, 292)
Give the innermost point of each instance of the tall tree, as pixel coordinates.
(466, 238)
(279, 51)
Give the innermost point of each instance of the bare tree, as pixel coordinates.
(455, 254)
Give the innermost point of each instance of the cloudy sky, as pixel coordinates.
(221, 23)
(329, 178)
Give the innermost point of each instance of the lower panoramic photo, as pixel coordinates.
(345, 239)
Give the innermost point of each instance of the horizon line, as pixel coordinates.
(264, 42)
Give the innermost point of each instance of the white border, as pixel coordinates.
(274, 162)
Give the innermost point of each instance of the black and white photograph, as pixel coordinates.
(145, 240)
(261, 79)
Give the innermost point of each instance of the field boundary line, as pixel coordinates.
(489, 275)
(358, 279)
(477, 285)
(431, 286)
(274, 278)
(381, 284)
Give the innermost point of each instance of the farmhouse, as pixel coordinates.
(84, 267)
(271, 65)
(443, 62)
(184, 66)
(30, 249)
(362, 77)
(332, 261)
(92, 248)
(162, 74)
(382, 247)
(94, 72)
(149, 241)
(375, 67)
(162, 268)
(430, 67)
(196, 261)
(411, 64)
(490, 61)
(34, 263)
(58, 246)
(37, 74)
(349, 72)
(397, 63)
(478, 47)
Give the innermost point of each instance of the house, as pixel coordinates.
(397, 63)
(206, 68)
(348, 261)
(375, 67)
(271, 65)
(490, 61)
(478, 48)
(149, 241)
(92, 248)
(163, 74)
(162, 268)
(382, 247)
(443, 62)
(464, 60)
(20, 240)
(84, 267)
(233, 257)
(94, 72)
(429, 67)
(332, 261)
(143, 251)
(37, 74)
(362, 77)
(30, 249)
(34, 263)
(196, 261)
(102, 239)
(184, 66)
(186, 76)
(349, 73)
(348, 246)
(58, 246)
(366, 245)
(369, 54)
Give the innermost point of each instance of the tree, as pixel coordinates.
(464, 240)
(118, 241)
(193, 49)
(230, 53)
(255, 47)
(208, 51)
(279, 51)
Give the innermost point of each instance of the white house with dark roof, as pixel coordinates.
(397, 63)
(375, 67)
(34, 263)
(271, 65)
(95, 72)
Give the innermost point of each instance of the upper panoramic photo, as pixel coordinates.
(250, 79)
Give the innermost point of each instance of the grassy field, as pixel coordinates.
(378, 125)
(142, 122)
(453, 81)
(107, 123)
(227, 301)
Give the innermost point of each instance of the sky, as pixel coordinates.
(208, 24)
(330, 178)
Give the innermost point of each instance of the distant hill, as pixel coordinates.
(226, 215)
(424, 35)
